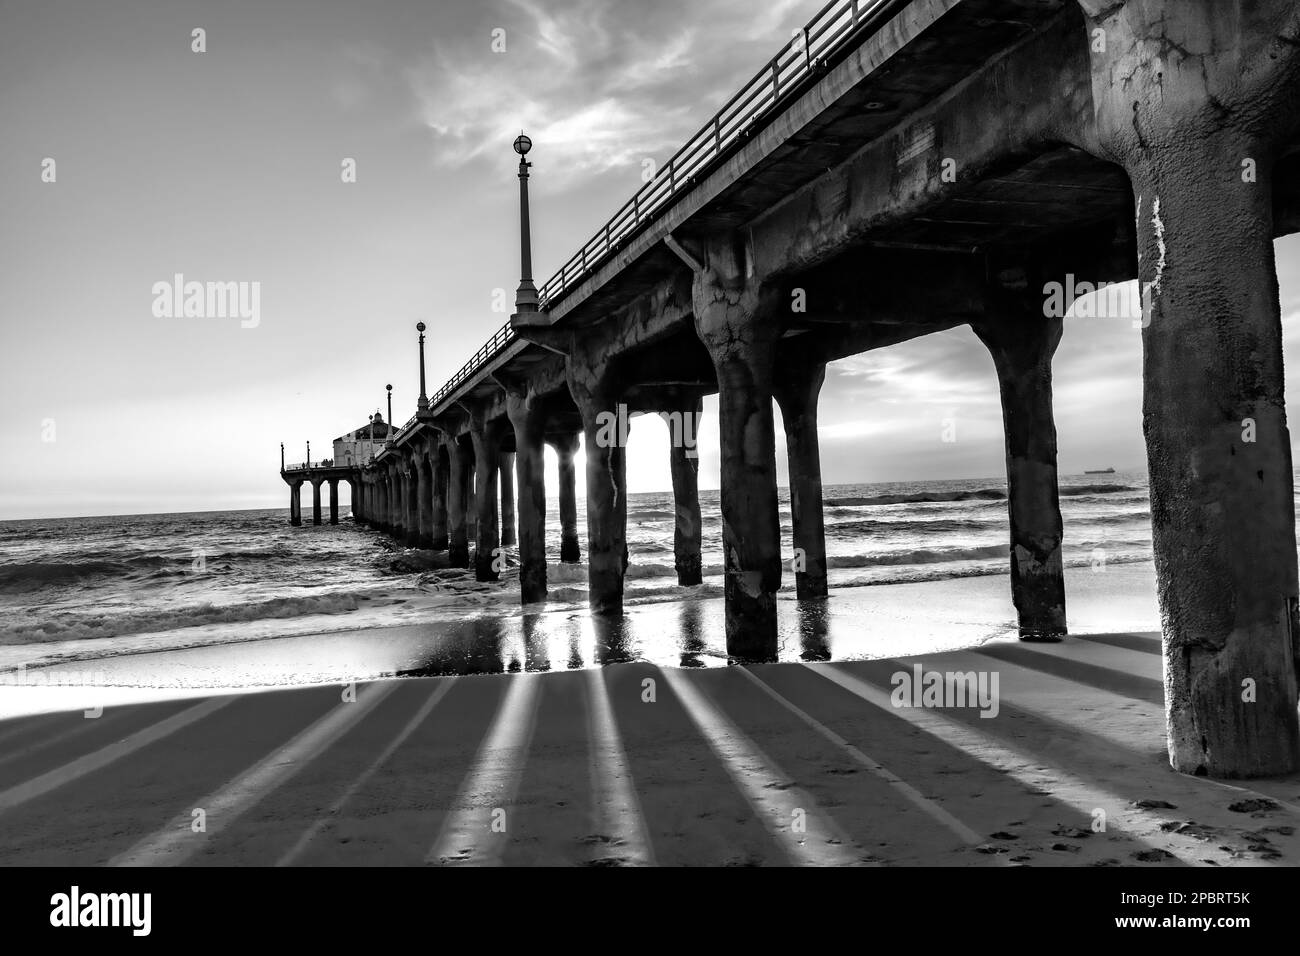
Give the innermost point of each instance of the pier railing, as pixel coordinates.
(833, 29)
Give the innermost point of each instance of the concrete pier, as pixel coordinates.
(315, 501)
(839, 214)
(458, 478)
(595, 394)
(486, 436)
(438, 519)
(735, 320)
(565, 446)
(683, 415)
(1022, 342)
(527, 418)
(506, 469)
(796, 394)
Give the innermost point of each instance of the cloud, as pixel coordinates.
(566, 77)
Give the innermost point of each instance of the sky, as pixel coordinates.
(226, 166)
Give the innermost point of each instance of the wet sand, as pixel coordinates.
(802, 762)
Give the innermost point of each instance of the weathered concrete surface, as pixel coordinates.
(684, 464)
(486, 436)
(457, 486)
(1187, 95)
(796, 393)
(528, 419)
(595, 393)
(1022, 341)
(438, 520)
(424, 498)
(506, 468)
(565, 446)
(735, 320)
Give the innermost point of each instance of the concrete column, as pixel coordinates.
(410, 479)
(295, 504)
(315, 502)
(684, 464)
(506, 468)
(471, 498)
(527, 417)
(334, 501)
(439, 517)
(597, 402)
(1211, 91)
(396, 525)
(797, 390)
(355, 495)
(1022, 345)
(381, 500)
(424, 500)
(457, 481)
(565, 446)
(736, 321)
(485, 435)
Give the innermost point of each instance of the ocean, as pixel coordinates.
(93, 588)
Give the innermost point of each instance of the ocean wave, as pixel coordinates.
(1076, 490)
(920, 497)
(93, 626)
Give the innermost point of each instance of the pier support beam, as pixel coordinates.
(396, 526)
(458, 477)
(424, 499)
(1210, 91)
(566, 446)
(683, 417)
(438, 458)
(1022, 342)
(527, 417)
(738, 323)
(334, 501)
(412, 481)
(506, 468)
(486, 436)
(797, 391)
(295, 504)
(315, 501)
(596, 396)
(382, 517)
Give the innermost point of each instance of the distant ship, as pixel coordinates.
(1101, 471)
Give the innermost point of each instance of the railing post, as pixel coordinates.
(853, 5)
(776, 78)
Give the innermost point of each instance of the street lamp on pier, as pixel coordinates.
(390, 411)
(422, 405)
(526, 297)
(282, 458)
(308, 454)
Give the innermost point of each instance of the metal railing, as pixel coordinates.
(309, 465)
(782, 78)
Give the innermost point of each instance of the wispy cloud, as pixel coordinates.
(599, 85)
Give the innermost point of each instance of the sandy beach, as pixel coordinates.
(797, 762)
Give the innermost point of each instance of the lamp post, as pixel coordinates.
(282, 458)
(390, 412)
(422, 404)
(308, 454)
(526, 296)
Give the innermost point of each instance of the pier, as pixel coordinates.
(898, 168)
